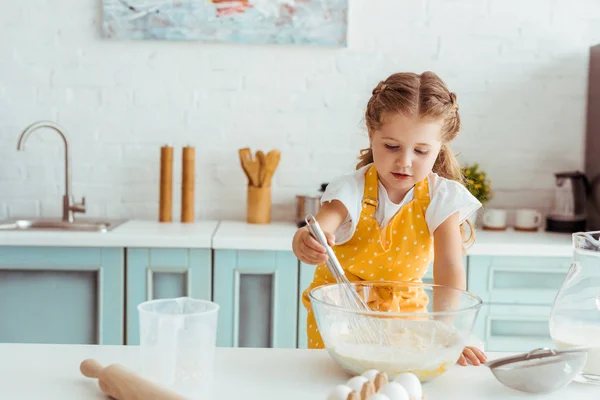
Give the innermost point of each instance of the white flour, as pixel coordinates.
(582, 336)
(426, 348)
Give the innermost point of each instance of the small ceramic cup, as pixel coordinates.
(494, 219)
(527, 220)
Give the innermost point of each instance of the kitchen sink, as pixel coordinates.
(41, 224)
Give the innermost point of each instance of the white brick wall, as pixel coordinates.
(518, 67)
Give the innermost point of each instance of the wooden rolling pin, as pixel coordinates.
(122, 384)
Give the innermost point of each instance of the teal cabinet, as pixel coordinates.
(61, 295)
(257, 292)
(517, 294)
(164, 273)
(86, 295)
(517, 280)
(513, 328)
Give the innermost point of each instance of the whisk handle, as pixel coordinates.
(315, 230)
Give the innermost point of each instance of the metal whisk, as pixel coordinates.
(365, 329)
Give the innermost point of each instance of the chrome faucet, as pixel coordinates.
(69, 205)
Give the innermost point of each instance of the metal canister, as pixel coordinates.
(308, 204)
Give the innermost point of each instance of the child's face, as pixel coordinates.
(404, 151)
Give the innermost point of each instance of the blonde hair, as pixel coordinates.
(426, 96)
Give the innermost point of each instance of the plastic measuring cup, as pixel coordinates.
(178, 341)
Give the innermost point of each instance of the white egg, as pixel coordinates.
(357, 383)
(411, 383)
(378, 396)
(370, 374)
(340, 392)
(394, 391)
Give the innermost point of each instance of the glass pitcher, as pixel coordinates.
(575, 316)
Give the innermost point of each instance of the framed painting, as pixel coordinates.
(291, 22)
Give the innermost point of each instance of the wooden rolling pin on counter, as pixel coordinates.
(121, 383)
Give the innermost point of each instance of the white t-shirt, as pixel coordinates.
(447, 197)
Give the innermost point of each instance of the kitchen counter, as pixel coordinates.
(243, 236)
(277, 236)
(51, 372)
(516, 243)
(133, 233)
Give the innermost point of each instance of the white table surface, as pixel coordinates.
(48, 372)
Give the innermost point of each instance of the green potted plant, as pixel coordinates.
(478, 184)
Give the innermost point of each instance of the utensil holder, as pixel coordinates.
(259, 205)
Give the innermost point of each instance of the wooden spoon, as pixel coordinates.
(273, 159)
(243, 154)
(262, 162)
(250, 166)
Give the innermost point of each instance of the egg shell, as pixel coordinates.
(394, 391)
(411, 383)
(378, 396)
(370, 374)
(356, 383)
(340, 392)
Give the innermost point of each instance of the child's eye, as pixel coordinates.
(390, 147)
(421, 152)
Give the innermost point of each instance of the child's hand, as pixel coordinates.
(473, 355)
(308, 249)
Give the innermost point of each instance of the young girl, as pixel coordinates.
(405, 205)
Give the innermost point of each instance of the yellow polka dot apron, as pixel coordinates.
(402, 251)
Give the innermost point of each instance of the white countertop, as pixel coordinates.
(133, 233)
(51, 372)
(278, 236)
(239, 235)
(516, 243)
(243, 236)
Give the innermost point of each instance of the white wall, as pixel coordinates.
(518, 67)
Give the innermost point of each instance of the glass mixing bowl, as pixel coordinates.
(425, 342)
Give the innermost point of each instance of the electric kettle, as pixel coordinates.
(568, 213)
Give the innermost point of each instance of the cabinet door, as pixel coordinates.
(516, 328)
(164, 273)
(61, 295)
(257, 292)
(517, 280)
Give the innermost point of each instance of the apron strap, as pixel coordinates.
(370, 193)
(422, 191)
